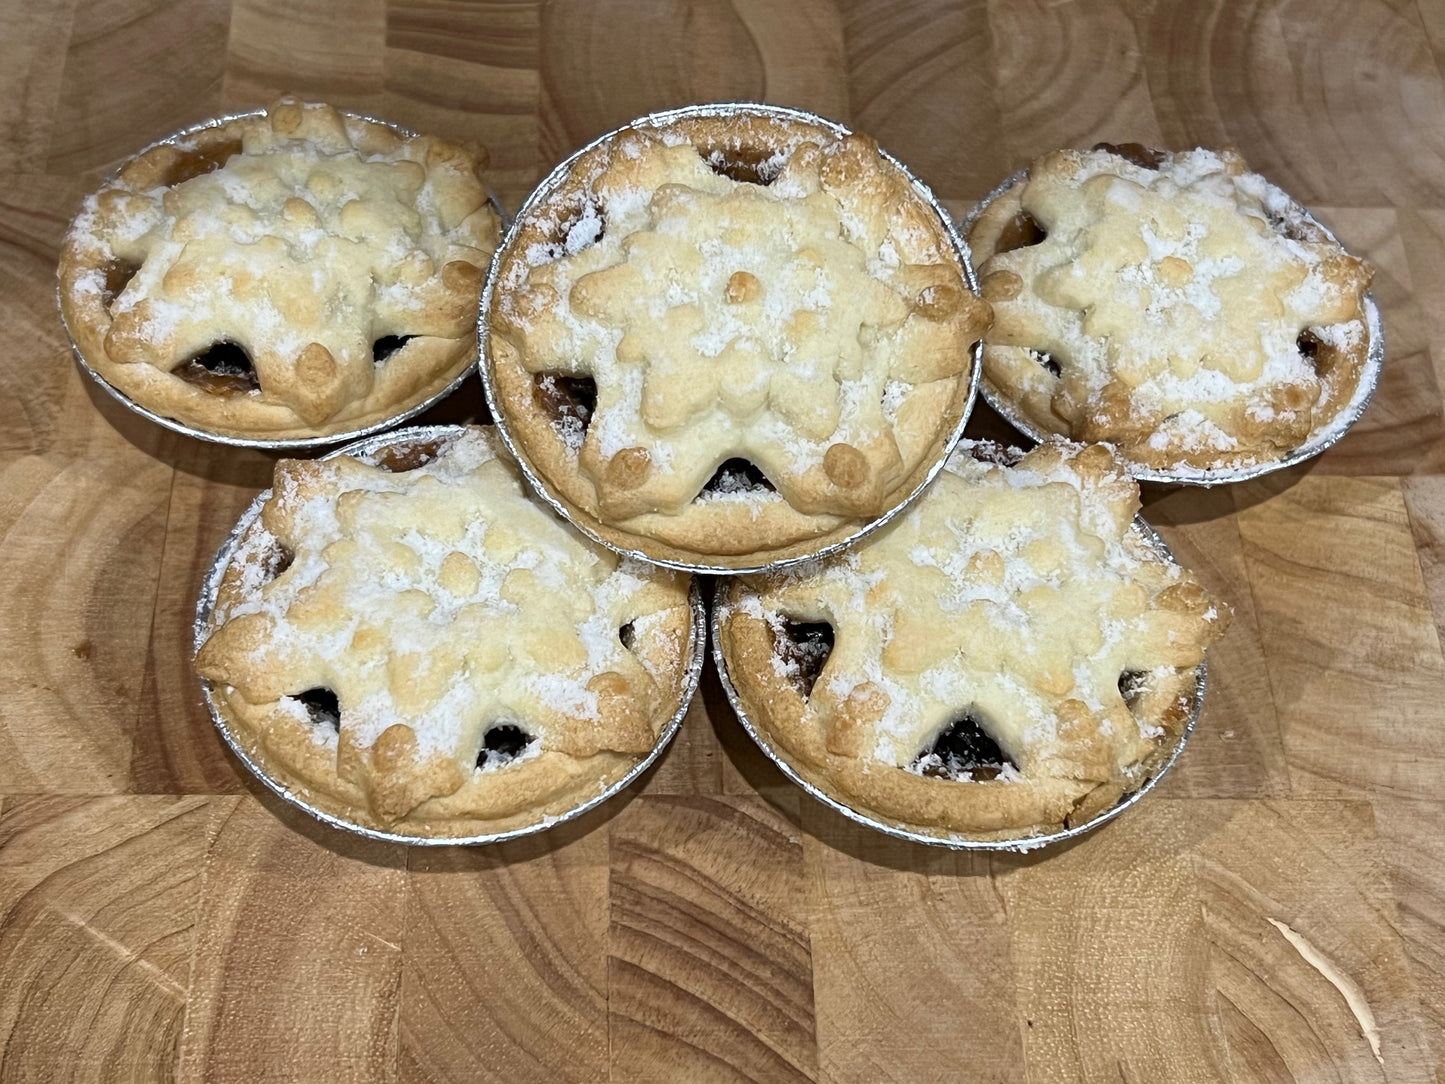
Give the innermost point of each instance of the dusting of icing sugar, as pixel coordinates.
(284, 219)
(895, 392)
(728, 281)
(1005, 591)
(487, 605)
(1190, 285)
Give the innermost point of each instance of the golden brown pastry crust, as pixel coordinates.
(437, 605)
(1019, 595)
(1174, 305)
(818, 325)
(303, 236)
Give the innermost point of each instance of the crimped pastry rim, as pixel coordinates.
(674, 558)
(284, 443)
(953, 840)
(202, 629)
(1319, 441)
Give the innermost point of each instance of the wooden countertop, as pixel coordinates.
(161, 915)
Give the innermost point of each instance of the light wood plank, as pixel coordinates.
(1236, 750)
(318, 50)
(83, 525)
(1069, 76)
(695, 53)
(175, 746)
(1412, 838)
(97, 909)
(1348, 636)
(30, 36)
(710, 976)
(1299, 918)
(912, 974)
(470, 71)
(1306, 107)
(1422, 235)
(920, 82)
(171, 76)
(1425, 500)
(505, 969)
(298, 952)
(1109, 952)
(1402, 432)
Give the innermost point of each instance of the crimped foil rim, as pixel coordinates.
(1318, 441)
(201, 630)
(956, 842)
(288, 443)
(655, 120)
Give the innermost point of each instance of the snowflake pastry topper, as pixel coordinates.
(1177, 305)
(778, 322)
(1011, 629)
(294, 242)
(434, 606)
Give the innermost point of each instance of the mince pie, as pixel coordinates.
(285, 275)
(1009, 657)
(1175, 305)
(425, 649)
(731, 339)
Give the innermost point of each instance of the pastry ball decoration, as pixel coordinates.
(428, 651)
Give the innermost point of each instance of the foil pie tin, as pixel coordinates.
(661, 120)
(954, 841)
(1319, 441)
(370, 450)
(291, 443)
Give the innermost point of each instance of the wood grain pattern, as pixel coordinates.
(1107, 940)
(1237, 750)
(470, 71)
(175, 54)
(1069, 76)
(505, 974)
(1403, 432)
(1211, 66)
(97, 894)
(297, 952)
(1413, 837)
(919, 81)
(175, 747)
(710, 974)
(1343, 545)
(886, 918)
(163, 917)
(1324, 884)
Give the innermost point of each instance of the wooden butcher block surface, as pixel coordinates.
(1275, 911)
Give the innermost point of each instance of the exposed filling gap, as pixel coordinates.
(224, 368)
(803, 648)
(502, 744)
(963, 751)
(322, 706)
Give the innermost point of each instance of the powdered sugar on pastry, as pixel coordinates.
(1019, 596)
(1172, 303)
(310, 237)
(784, 318)
(441, 600)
